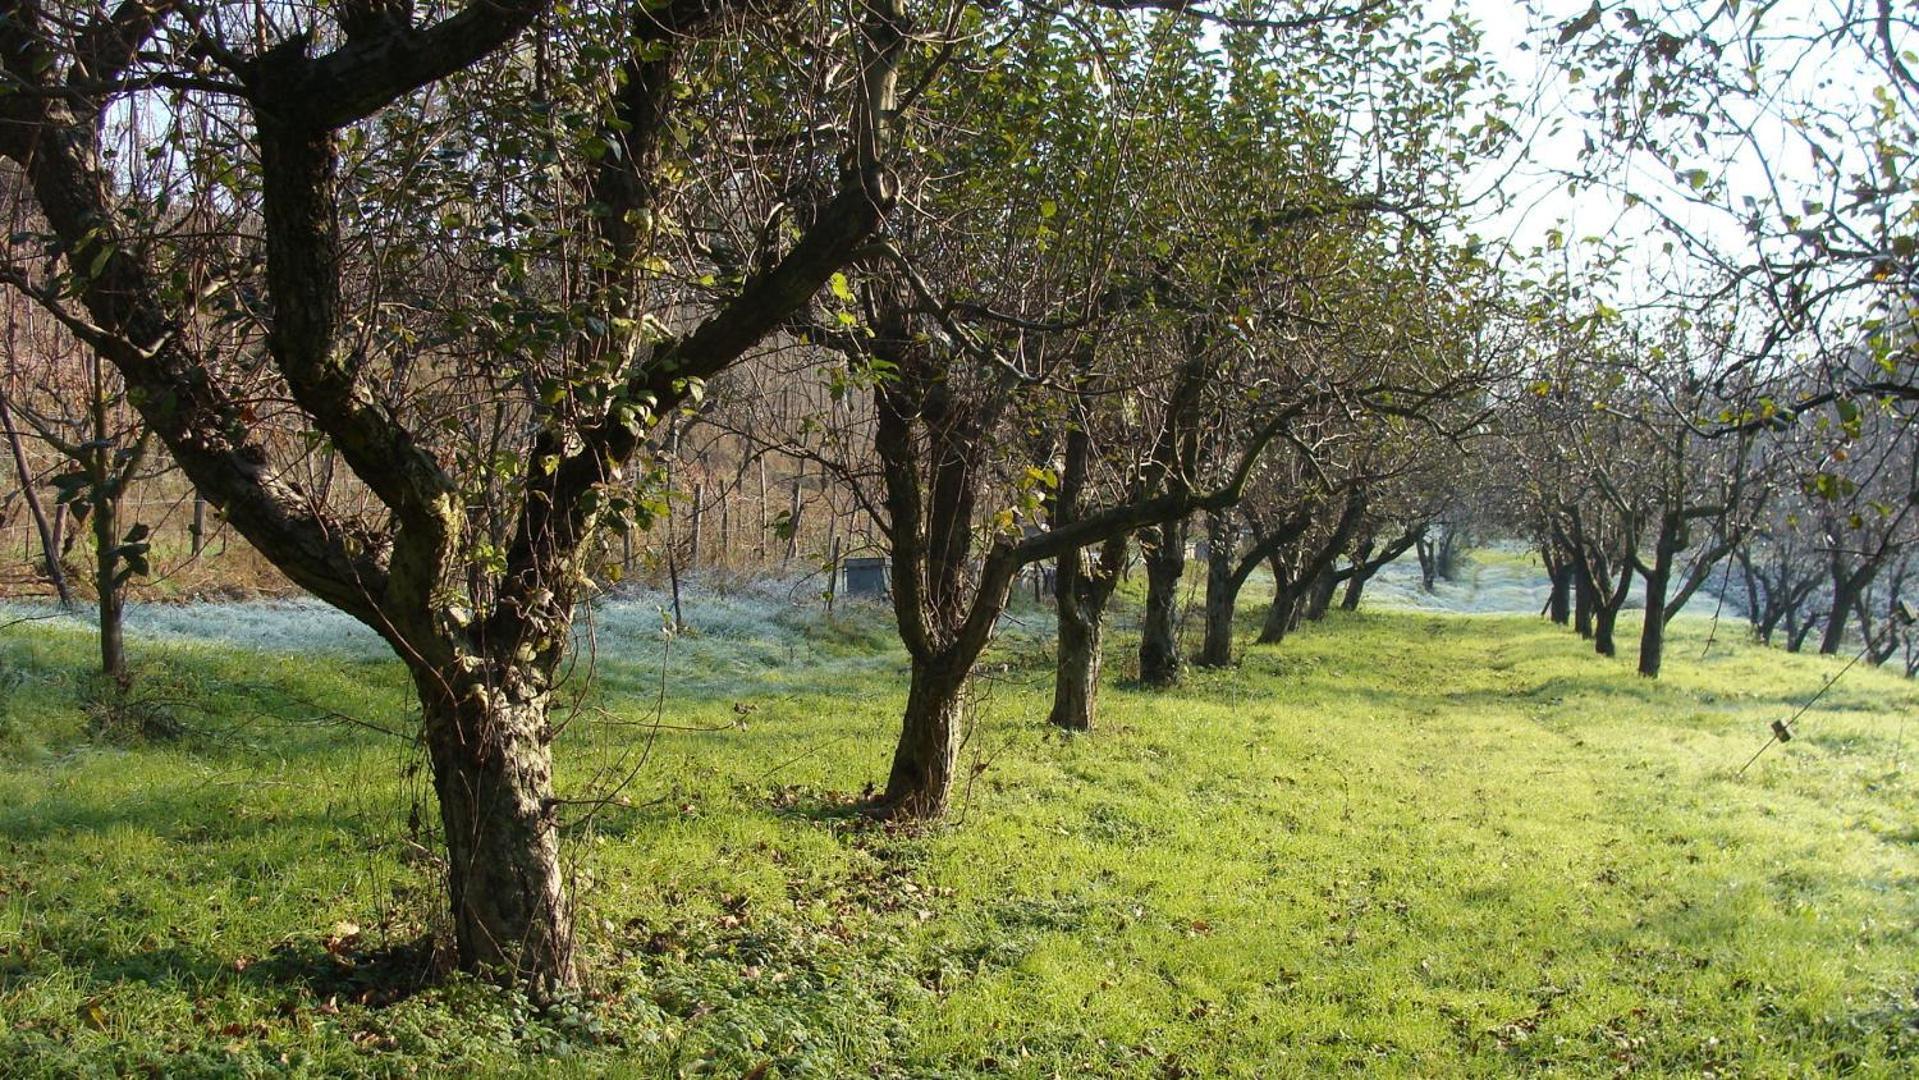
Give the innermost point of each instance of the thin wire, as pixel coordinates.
(1787, 725)
(1712, 635)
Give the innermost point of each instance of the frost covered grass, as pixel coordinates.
(1506, 579)
(292, 625)
(1403, 841)
(728, 638)
(761, 633)
(1486, 584)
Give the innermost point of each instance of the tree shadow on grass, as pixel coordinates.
(176, 818)
(343, 968)
(822, 806)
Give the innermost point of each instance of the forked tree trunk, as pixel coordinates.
(1369, 562)
(1164, 550)
(1606, 608)
(927, 759)
(1799, 633)
(493, 774)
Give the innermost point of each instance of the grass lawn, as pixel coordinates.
(1409, 843)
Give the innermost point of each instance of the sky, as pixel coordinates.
(1518, 40)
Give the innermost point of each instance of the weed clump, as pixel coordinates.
(136, 712)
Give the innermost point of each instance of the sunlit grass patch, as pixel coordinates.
(1402, 841)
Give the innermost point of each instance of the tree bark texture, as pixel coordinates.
(493, 775)
(1559, 603)
(1222, 594)
(926, 760)
(1082, 587)
(1164, 551)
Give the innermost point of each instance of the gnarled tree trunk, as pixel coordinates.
(926, 761)
(1606, 612)
(1283, 612)
(1164, 551)
(1076, 680)
(1082, 587)
(493, 775)
(1222, 594)
(1320, 597)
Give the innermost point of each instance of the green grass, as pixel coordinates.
(1413, 844)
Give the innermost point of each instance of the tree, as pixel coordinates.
(575, 292)
(1655, 458)
(103, 448)
(29, 484)
(1784, 192)
(1400, 510)
(1296, 504)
